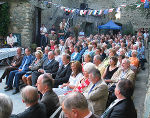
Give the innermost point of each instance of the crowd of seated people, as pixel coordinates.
(90, 65)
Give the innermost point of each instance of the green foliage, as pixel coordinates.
(4, 19)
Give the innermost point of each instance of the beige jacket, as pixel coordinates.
(97, 98)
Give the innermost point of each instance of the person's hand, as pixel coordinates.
(13, 64)
(20, 70)
(41, 70)
(30, 67)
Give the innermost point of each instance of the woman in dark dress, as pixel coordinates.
(110, 70)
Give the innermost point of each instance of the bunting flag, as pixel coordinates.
(94, 12)
(146, 4)
(144, 0)
(100, 12)
(123, 5)
(118, 9)
(110, 10)
(106, 11)
(90, 12)
(138, 5)
(83, 12)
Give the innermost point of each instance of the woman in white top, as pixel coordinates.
(73, 80)
(10, 40)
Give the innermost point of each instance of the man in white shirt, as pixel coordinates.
(43, 31)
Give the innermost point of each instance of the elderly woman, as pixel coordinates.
(134, 61)
(73, 80)
(37, 63)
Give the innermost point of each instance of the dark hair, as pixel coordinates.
(115, 59)
(126, 88)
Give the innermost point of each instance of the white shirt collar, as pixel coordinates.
(89, 115)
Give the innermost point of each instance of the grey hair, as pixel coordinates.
(96, 73)
(88, 67)
(29, 94)
(6, 106)
(75, 100)
(48, 80)
(134, 51)
(127, 60)
(98, 57)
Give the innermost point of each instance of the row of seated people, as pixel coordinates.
(75, 104)
(69, 75)
(85, 84)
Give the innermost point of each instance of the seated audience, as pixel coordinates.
(45, 55)
(64, 72)
(6, 106)
(17, 74)
(97, 93)
(16, 62)
(134, 61)
(34, 109)
(124, 72)
(75, 56)
(97, 60)
(49, 66)
(36, 64)
(75, 106)
(75, 77)
(58, 56)
(123, 106)
(49, 98)
(110, 70)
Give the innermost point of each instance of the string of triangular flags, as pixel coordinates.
(98, 12)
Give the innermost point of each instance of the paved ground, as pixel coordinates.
(18, 106)
(139, 93)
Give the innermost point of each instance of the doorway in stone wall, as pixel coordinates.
(37, 25)
(88, 28)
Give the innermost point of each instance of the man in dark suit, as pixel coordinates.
(50, 66)
(123, 106)
(64, 72)
(16, 62)
(17, 74)
(49, 98)
(75, 106)
(34, 109)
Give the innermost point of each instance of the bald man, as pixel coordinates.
(34, 109)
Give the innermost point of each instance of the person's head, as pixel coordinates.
(94, 44)
(19, 50)
(57, 52)
(113, 60)
(6, 106)
(125, 64)
(52, 42)
(29, 95)
(94, 75)
(38, 48)
(76, 67)
(10, 34)
(87, 58)
(135, 47)
(51, 55)
(65, 59)
(124, 89)
(134, 53)
(75, 105)
(97, 60)
(87, 68)
(90, 47)
(98, 51)
(120, 58)
(47, 49)
(112, 52)
(44, 83)
(76, 49)
(27, 51)
(38, 54)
